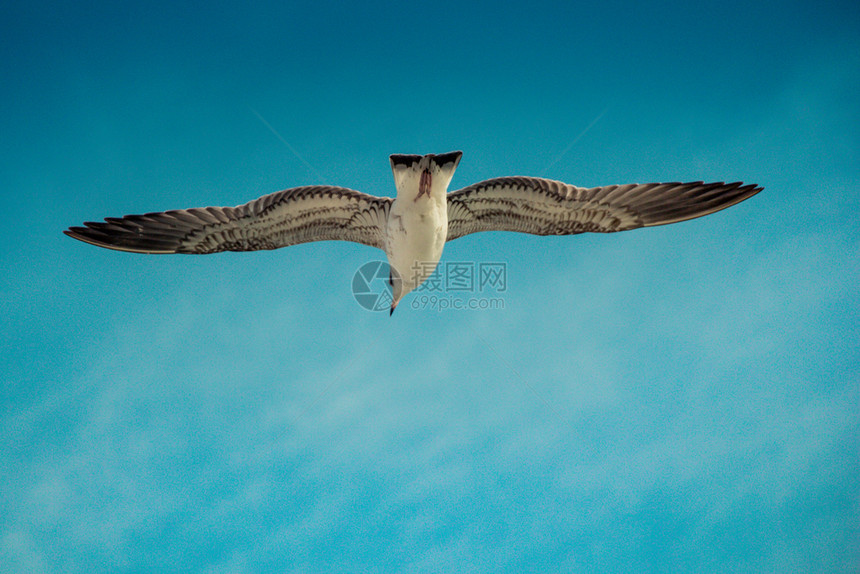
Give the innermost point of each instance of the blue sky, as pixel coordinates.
(681, 398)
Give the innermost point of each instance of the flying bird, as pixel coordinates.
(413, 228)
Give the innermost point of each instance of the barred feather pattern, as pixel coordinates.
(546, 207)
(289, 217)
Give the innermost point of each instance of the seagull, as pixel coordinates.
(413, 227)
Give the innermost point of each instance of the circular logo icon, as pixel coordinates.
(373, 285)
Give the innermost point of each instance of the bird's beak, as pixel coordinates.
(393, 307)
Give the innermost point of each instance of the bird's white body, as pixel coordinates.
(417, 225)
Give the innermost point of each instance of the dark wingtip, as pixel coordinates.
(110, 235)
(696, 200)
(78, 233)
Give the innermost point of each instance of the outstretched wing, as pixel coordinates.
(289, 217)
(546, 207)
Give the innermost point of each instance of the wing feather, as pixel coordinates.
(547, 207)
(289, 217)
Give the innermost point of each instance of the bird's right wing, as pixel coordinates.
(547, 207)
(289, 217)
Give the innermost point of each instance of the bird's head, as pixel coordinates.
(418, 176)
(397, 288)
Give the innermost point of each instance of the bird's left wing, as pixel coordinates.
(289, 217)
(547, 207)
